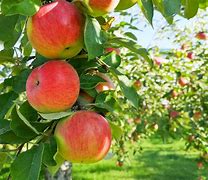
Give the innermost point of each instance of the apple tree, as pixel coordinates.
(56, 60)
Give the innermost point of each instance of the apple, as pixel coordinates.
(53, 87)
(174, 114)
(159, 60)
(125, 4)
(104, 86)
(201, 36)
(119, 163)
(84, 137)
(190, 55)
(100, 7)
(191, 138)
(197, 115)
(56, 31)
(174, 94)
(110, 49)
(200, 165)
(85, 98)
(137, 84)
(183, 81)
(137, 120)
(185, 47)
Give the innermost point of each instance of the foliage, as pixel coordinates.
(25, 134)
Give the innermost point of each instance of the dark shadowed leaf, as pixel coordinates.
(27, 165)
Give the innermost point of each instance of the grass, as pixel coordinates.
(157, 162)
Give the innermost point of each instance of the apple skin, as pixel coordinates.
(197, 115)
(159, 60)
(183, 81)
(125, 4)
(56, 31)
(53, 87)
(84, 137)
(190, 55)
(137, 84)
(104, 86)
(100, 7)
(174, 114)
(84, 98)
(201, 36)
(110, 49)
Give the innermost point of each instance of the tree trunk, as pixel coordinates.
(64, 172)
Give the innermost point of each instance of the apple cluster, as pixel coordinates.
(56, 32)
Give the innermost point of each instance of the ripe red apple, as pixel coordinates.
(137, 121)
(174, 94)
(84, 137)
(119, 163)
(137, 84)
(125, 4)
(56, 30)
(183, 81)
(174, 114)
(197, 115)
(53, 87)
(85, 98)
(200, 165)
(159, 60)
(108, 50)
(100, 7)
(104, 86)
(190, 55)
(201, 36)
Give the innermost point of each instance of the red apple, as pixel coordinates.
(56, 30)
(125, 4)
(183, 81)
(190, 55)
(174, 94)
(185, 47)
(53, 87)
(201, 36)
(137, 121)
(200, 165)
(174, 114)
(100, 7)
(197, 115)
(159, 60)
(84, 137)
(116, 50)
(85, 98)
(119, 163)
(138, 84)
(104, 86)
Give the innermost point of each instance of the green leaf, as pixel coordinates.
(23, 7)
(21, 126)
(171, 7)
(112, 60)
(203, 4)
(6, 102)
(26, 46)
(50, 149)
(117, 132)
(6, 55)
(3, 159)
(28, 112)
(93, 38)
(129, 92)
(88, 81)
(20, 81)
(55, 116)
(59, 161)
(27, 165)
(191, 8)
(7, 28)
(134, 47)
(106, 101)
(7, 136)
(147, 9)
